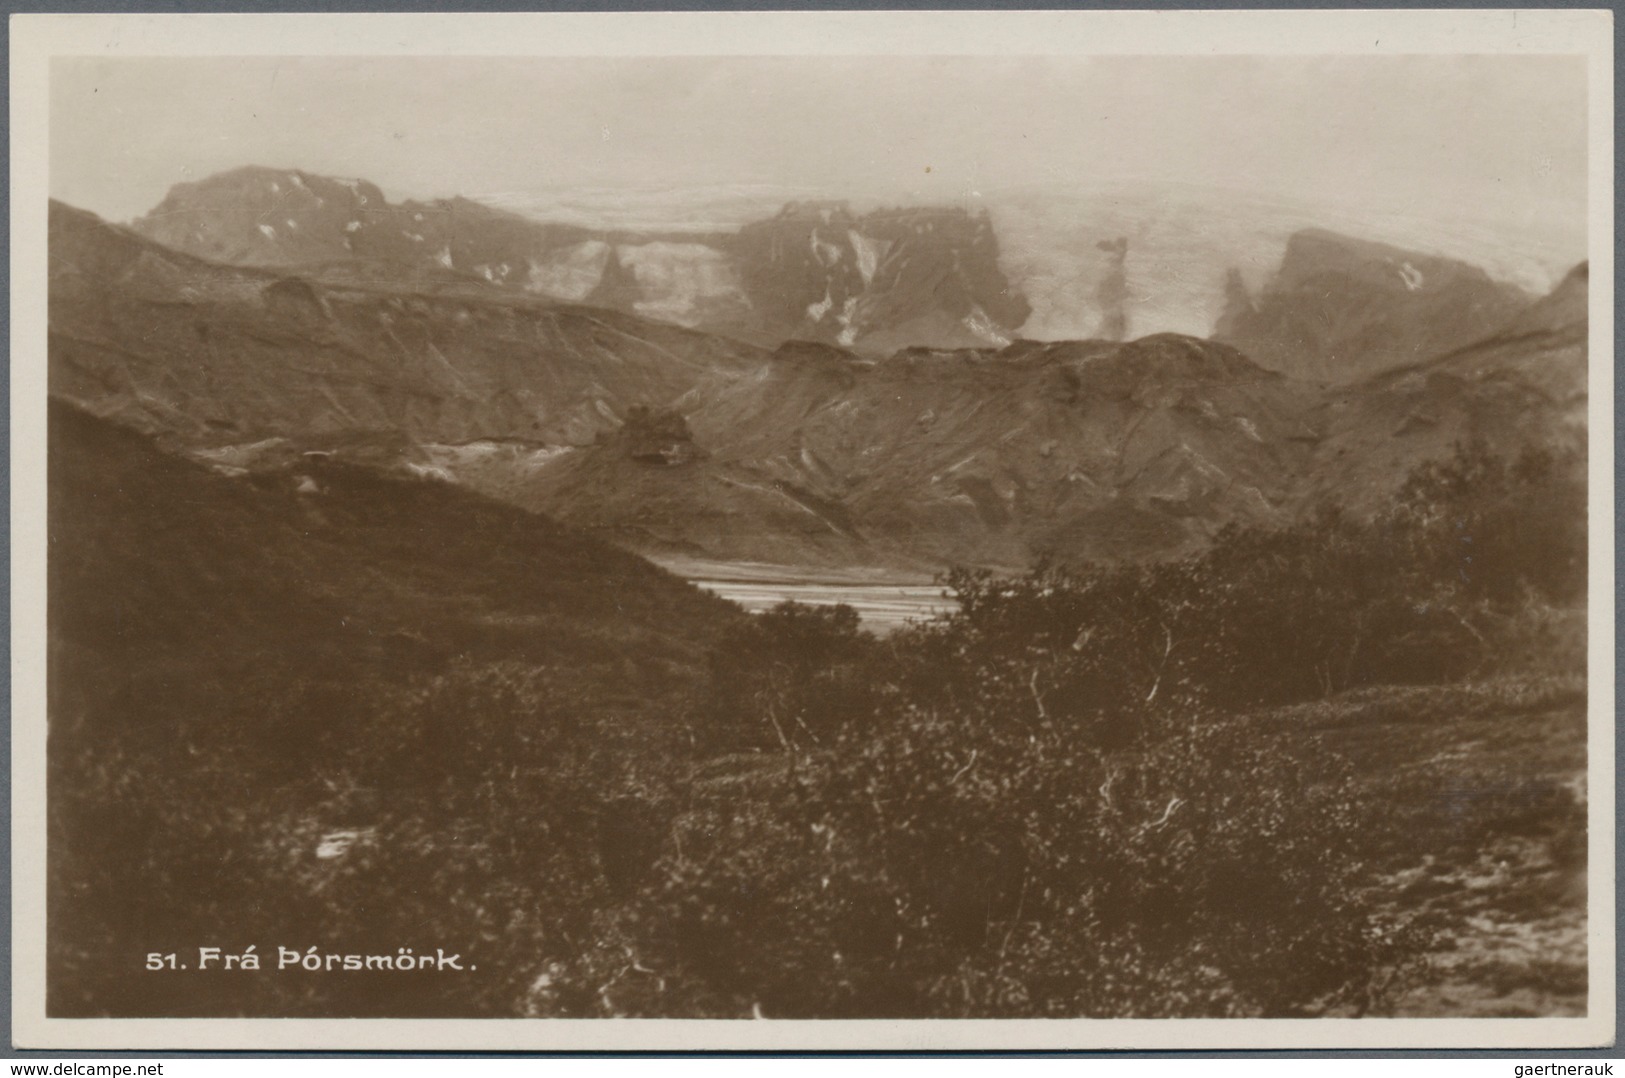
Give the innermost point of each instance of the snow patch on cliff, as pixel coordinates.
(868, 252)
(978, 322)
(817, 311)
(849, 331)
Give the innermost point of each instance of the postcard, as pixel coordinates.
(839, 530)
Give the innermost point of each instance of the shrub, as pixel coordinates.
(950, 863)
(788, 678)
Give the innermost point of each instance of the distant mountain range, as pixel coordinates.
(814, 270)
(682, 444)
(1044, 264)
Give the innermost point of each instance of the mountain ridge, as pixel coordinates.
(683, 445)
(813, 270)
(1339, 308)
(250, 351)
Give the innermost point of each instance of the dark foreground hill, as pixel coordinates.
(220, 647)
(161, 568)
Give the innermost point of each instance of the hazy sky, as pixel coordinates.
(1496, 137)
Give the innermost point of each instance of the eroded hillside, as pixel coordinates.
(680, 444)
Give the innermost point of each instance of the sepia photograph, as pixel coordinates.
(573, 519)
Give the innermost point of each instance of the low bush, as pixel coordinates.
(950, 864)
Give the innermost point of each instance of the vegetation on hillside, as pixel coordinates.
(612, 795)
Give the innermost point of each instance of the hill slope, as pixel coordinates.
(1084, 449)
(225, 652)
(156, 560)
(166, 341)
(1522, 388)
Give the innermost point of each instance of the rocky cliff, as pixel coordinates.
(881, 280)
(1339, 309)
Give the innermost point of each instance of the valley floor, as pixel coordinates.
(886, 600)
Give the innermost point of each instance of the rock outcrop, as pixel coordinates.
(882, 280)
(1340, 309)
